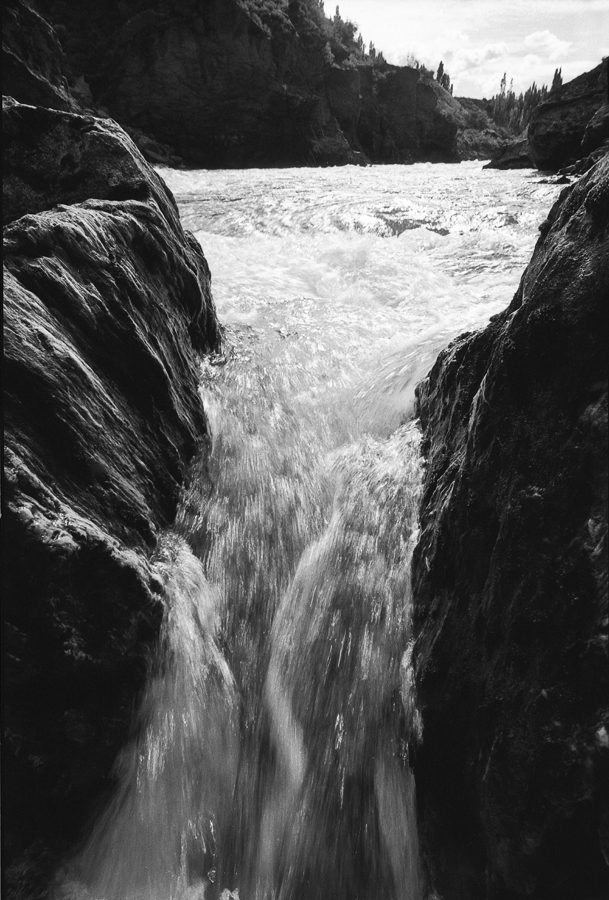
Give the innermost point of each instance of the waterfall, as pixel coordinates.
(270, 754)
(270, 757)
(176, 777)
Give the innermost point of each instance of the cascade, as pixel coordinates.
(270, 756)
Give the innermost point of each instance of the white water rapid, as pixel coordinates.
(270, 761)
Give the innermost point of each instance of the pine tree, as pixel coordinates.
(556, 81)
(512, 112)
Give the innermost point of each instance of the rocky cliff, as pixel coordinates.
(558, 126)
(248, 83)
(510, 582)
(106, 299)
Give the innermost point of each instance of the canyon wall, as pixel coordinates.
(510, 582)
(232, 83)
(106, 301)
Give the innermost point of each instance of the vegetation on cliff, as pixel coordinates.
(260, 82)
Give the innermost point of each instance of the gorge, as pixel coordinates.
(305, 588)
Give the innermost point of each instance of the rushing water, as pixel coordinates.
(270, 757)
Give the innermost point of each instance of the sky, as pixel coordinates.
(479, 40)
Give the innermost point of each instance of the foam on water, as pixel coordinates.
(359, 265)
(337, 288)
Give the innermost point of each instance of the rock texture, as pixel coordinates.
(105, 300)
(33, 62)
(35, 71)
(50, 159)
(558, 126)
(510, 582)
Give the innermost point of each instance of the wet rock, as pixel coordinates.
(104, 302)
(33, 62)
(510, 581)
(514, 155)
(53, 157)
(558, 126)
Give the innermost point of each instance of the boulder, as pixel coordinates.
(514, 155)
(105, 301)
(510, 581)
(52, 157)
(558, 126)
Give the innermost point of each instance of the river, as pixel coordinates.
(271, 754)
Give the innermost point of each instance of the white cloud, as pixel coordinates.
(479, 40)
(547, 45)
(470, 59)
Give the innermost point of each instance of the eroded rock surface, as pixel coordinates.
(104, 302)
(510, 581)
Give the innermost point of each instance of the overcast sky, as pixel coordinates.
(479, 40)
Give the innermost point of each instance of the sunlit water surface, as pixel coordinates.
(270, 758)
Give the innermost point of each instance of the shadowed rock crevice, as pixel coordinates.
(510, 581)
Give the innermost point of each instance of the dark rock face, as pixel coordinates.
(203, 78)
(52, 158)
(437, 123)
(597, 130)
(33, 62)
(514, 155)
(104, 301)
(225, 89)
(558, 126)
(510, 582)
(390, 115)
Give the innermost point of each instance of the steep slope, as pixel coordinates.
(510, 581)
(557, 126)
(105, 301)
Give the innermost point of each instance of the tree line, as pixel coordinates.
(344, 44)
(514, 112)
